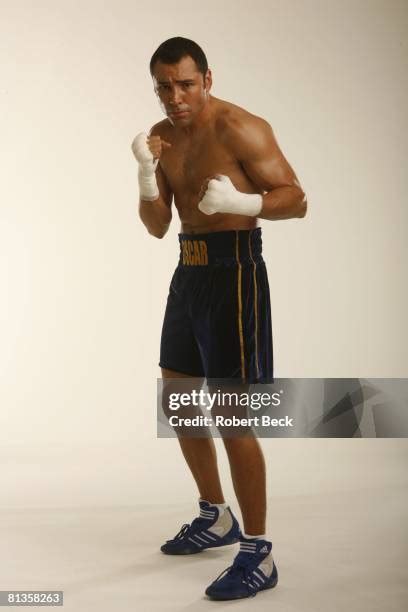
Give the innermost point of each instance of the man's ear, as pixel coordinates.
(208, 80)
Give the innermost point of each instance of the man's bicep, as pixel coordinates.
(264, 162)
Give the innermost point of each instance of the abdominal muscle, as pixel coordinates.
(192, 224)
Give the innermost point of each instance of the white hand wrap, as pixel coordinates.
(222, 197)
(146, 174)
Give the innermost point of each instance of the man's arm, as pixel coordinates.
(155, 194)
(252, 143)
(156, 215)
(258, 152)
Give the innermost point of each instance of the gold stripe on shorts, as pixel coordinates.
(256, 305)
(241, 335)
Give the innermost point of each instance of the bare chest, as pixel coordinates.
(187, 164)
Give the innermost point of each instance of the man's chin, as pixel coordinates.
(180, 119)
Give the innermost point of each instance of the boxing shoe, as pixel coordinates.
(214, 527)
(253, 570)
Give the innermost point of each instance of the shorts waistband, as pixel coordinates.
(208, 249)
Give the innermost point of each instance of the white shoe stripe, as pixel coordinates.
(207, 516)
(256, 582)
(194, 542)
(201, 538)
(209, 535)
(248, 550)
(258, 575)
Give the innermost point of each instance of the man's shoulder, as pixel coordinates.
(237, 125)
(161, 128)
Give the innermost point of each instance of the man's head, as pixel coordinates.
(181, 78)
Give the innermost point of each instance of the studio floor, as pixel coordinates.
(344, 551)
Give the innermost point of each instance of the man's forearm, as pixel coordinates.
(156, 216)
(283, 203)
(154, 212)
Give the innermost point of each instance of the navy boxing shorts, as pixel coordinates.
(217, 322)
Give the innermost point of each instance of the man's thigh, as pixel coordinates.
(179, 351)
(232, 324)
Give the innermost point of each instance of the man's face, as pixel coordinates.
(182, 90)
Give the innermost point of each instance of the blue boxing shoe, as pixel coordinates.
(253, 570)
(211, 529)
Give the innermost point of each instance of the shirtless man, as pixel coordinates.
(224, 169)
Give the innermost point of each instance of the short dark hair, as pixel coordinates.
(174, 49)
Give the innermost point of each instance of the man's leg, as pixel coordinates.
(201, 457)
(247, 467)
(216, 525)
(253, 568)
(246, 460)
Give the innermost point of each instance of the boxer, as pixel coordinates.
(222, 169)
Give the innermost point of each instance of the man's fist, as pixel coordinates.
(140, 149)
(148, 148)
(148, 188)
(157, 145)
(221, 196)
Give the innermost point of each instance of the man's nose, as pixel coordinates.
(175, 96)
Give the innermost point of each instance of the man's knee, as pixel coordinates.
(178, 406)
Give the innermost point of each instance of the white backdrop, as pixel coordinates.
(83, 286)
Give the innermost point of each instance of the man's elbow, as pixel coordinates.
(302, 206)
(158, 232)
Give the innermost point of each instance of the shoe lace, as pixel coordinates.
(183, 531)
(187, 529)
(241, 570)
